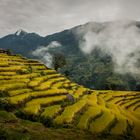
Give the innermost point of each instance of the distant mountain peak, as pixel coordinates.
(20, 32)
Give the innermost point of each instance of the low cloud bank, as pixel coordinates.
(121, 40)
(44, 54)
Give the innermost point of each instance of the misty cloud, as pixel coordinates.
(44, 53)
(121, 40)
(50, 16)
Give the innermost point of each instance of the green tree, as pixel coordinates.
(58, 61)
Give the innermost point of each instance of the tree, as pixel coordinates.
(58, 61)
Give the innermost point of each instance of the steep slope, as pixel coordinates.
(97, 67)
(33, 92)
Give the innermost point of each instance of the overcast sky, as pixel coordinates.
(49, 16)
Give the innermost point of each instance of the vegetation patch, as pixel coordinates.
(33, 92)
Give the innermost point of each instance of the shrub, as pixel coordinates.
(3, 133)
(47, 121)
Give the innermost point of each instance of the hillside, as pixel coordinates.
(31, 91)
(95, 70)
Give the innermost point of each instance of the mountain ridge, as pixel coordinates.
(97, 67)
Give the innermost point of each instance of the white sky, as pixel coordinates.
(49, 16)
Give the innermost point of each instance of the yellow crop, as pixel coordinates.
(69, 112)
(48, 84)
(92, 112)
(19, 91)
(79, 92)
(121, 124)
(6, 87)
(45, 100)
(9, 73)
(102, 122)
(11, 81)
(32, 110)
(15, 100)
(36, 81)
(51, 111)
(11, 68)
(41, 92)
(92, 99)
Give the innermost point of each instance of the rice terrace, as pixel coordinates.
(31, 91)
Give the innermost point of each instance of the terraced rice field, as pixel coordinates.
(30, 88)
